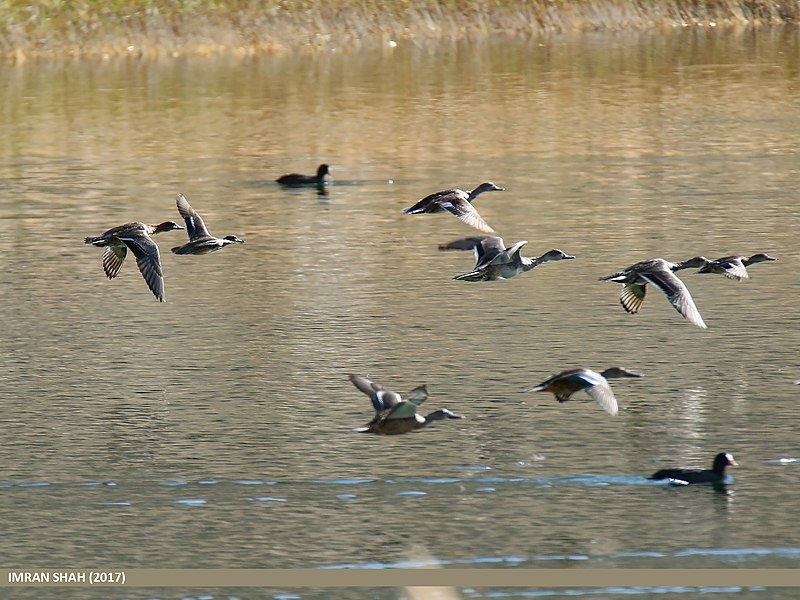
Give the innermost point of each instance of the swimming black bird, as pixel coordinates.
(298, 180)
(713, 475)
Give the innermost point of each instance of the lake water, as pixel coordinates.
(216, 430)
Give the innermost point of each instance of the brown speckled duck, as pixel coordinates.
(493, 261)
(661, 274)
(734, 267)
(136, 238)
(457, 202)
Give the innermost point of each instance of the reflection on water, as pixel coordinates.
(217, 429)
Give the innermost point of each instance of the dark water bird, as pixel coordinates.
(715, 474)
(136, 238)
(298, 180)
(734, 267)
(393, 414)
(595, 384)
(494, 261)
(458, 202)
(200, 240)
(661, 274)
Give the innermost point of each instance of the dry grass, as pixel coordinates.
(163, 27)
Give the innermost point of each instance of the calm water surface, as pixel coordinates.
(216, 430)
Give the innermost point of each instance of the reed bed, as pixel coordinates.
(104, 28)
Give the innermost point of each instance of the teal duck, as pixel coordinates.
(200, 240)
(661, 274)
(493, 261)
(136, 238)
(716, 474)
(595, 384)
(393, 414)
(298, 180)
(457, 202)
(734, 267)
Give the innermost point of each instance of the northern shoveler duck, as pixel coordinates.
(715, 474)
(298, 180)
(200, 240)
(494, 261)
(734, 267)
(136, 238)
(457, 202)
(393, 414)
(566, 383)
(660, 273)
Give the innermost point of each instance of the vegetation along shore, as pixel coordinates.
(98, 28)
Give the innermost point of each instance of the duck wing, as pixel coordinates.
(632, 296)
(602, 394)
(149, 261)
(113, 257)
(676, 292)
(485, 247)
(418, 395)
(466, 212)
(733, 269)
(194, 223)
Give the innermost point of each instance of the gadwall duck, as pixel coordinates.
(566, 383)
(200, 240)
(715, 474)
(457, 202)
(494, 261)
(393, 414)
(298, 180)
(660, 273)
(136, 238)
(734, 267)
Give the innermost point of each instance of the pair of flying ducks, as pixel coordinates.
(136, 237)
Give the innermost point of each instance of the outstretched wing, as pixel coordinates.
(676, 292)
(113, 257)
(467, 213)
(194, 224)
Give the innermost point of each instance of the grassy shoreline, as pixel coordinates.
(106, 28)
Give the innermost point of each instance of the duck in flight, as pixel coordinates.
(734, 267)
(457, 202)
(200, 240)
(494, 261)
(136, 238)
(661, 274)
(566, 383)
(394, 414)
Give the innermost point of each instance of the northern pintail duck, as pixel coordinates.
(393, 414)
(298, 180)
(716, 474)
(457, 202)
(566, 383)
(200, 240)
(660, 273)
(734, 267)
(136, 238)
(494, 261)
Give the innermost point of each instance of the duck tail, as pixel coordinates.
(92, 240)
